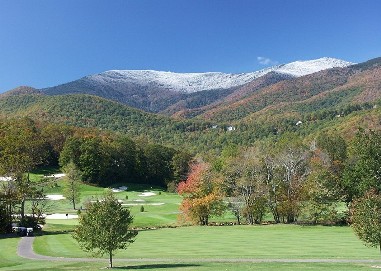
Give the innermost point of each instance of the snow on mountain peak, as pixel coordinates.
(301, 68)
(194, 82)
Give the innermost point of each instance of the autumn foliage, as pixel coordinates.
(201, 195)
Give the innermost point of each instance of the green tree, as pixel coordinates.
(120, 161)
(291, 160)
(245, 181)
(71, 151)
(366, 218)
(105, 227)
(362, 171)
(91, 160)
(72, 183)
(321, 189)
(21, 150)
(159, 164)
(55, 135)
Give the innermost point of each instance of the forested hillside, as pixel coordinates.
(332, 89)
(339, 98)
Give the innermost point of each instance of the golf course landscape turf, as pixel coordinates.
(244, 247)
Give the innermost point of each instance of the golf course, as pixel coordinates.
(164, 244)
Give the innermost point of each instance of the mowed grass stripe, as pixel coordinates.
(265, 242)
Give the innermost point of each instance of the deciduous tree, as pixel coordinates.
(362, 171)
(366, 218)
(202, 196)
(72, 183)
(105, 227)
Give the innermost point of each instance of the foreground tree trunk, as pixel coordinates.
(110, 262)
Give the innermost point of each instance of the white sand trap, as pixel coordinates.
(59, 175)
(5, 179)
(119, 200)
(139, 200)
(140, 204)
(55, 197)
(61, 216)
(119, 189)
(146, 194)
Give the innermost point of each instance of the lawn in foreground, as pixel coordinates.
(194, 241)
(264, 242)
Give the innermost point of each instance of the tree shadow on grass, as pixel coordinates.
(9, 235)
(155, 266)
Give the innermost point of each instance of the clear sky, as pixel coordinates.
(48, 42)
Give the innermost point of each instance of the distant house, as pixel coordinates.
(299, 123)
(214, 126)
(231, 128)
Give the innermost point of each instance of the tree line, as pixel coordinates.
(290, 178)
(87, 155)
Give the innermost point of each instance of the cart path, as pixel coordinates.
(25, 250)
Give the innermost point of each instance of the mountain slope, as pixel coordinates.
(327, 89)
(340, 98)
(156, 91)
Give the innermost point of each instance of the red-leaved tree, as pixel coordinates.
(202, 196)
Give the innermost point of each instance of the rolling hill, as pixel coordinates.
(342, 99)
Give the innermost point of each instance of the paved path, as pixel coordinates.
(25, 250)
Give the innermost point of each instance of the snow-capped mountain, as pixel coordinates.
(194, 82)
(157, 90)
(301, 68)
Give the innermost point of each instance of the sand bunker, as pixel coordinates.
(59, 175)
(146, 194)
(5, 179)
(55, 197)
(119, 189)
(119, 200)
(61, 216)
(140, 204)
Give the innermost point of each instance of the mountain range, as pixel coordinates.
(168, 92)
(201, 108)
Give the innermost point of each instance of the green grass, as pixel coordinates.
(153, 215)
(265, 242)
(180, 244)
(192, 243)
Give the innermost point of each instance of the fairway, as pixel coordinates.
(261, 242)
(208, 248)
(266, 247)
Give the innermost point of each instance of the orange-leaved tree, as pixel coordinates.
(202, 196)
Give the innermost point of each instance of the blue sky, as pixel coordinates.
(49, 42)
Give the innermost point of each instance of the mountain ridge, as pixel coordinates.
(346, 98)
(157, 91)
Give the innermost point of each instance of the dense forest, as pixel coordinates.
(292, 177)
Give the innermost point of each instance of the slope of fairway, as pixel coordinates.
(265, 242)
